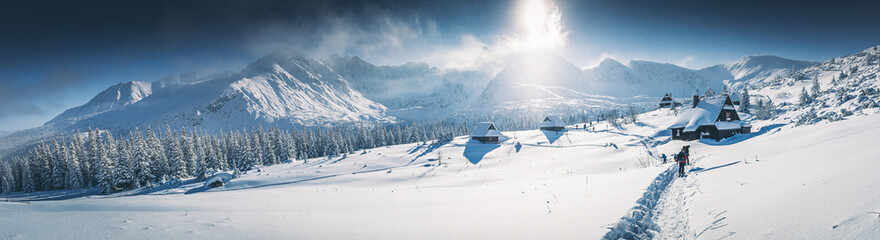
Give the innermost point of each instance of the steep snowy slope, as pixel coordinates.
(115, 97)
(753, 69)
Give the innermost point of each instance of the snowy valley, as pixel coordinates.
(342, 149)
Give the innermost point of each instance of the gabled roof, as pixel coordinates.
(486, 129)
(704, 114)
(552, 121)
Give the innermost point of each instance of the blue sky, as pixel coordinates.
(54, 58)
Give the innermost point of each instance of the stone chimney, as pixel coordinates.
(696, 100)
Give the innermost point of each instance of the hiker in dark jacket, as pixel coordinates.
(681, 158)
(664, 158)
(687, 154)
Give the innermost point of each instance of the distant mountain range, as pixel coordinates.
(292, 90)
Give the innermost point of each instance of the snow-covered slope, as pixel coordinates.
(613, 78)
(285, 89)
(848, 85)
(568, 185)
(536, 75)
(812, 182)
(115, 97)
(753, 68)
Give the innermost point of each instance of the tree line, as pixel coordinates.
(147, 158)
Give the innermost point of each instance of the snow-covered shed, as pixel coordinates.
(714, 118)
(486, 132)
(668, 102)
(552, 123)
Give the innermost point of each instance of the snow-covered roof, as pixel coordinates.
(486, 129)
(704, 114)
(552, 121)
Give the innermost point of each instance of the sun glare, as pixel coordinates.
(541, 26)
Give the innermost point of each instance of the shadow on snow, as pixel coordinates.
(474, 151)
(552, 136)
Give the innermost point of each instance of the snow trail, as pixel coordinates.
(639, 222)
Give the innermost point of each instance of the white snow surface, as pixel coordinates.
(779, 182)
(572, 188)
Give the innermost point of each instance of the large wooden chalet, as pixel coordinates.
(708, 120)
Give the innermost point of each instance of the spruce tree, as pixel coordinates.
(59, 164)
(177, 164)
(27, 180)
(141, 169)
(7, 181)
(74, 173)
(744, 103)
(804, 98)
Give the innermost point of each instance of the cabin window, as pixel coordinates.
(727, 116)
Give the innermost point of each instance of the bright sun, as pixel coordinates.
(541, 25)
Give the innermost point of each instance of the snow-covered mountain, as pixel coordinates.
(753, 69)
(847, 85)
(290, 89)
(285, 89)
(613, 78)
(532, 76)
(115, 97)
(413, 91)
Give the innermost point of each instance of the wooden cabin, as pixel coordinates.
(552, 123)
(486, 132)
(668, 102)
(708, 120)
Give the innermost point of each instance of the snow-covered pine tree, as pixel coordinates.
(105, 171)
(804, 98)
(7, 181)
(176, 164)
(156, 155)
(256, 147)
(59, 164)
(27, 180)
(82, 155)
(123, 171)
(42, 168)
(744, 103)
(74, 173)
(189, 153)
(247, 160)
(269, 156)
(815, 89)
(201, 168)
(142, 170)
(93, 157)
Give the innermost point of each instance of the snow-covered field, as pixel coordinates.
(574, 187)
(780, 182)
